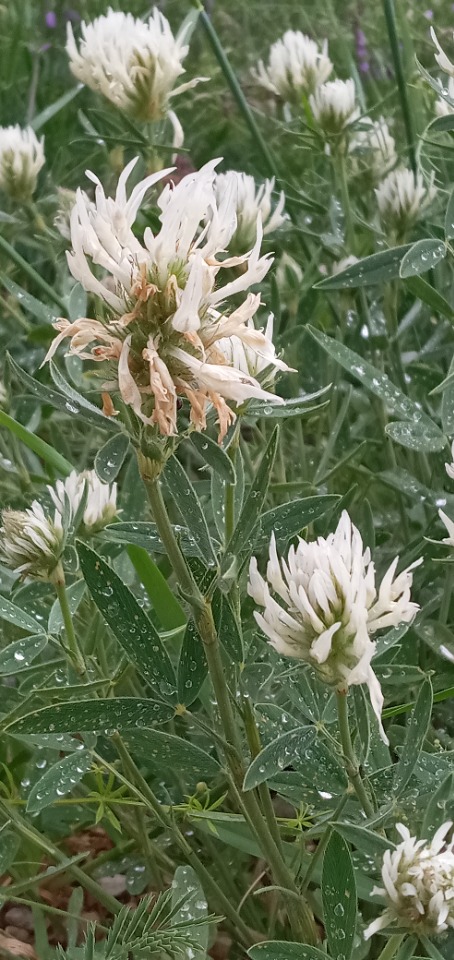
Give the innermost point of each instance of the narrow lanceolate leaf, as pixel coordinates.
(423, 437)
(339, 897)
(40, 447)
(166, 605)
(427, 294)
(439, 808)
(288, 519)
(421, 257)
(447, 404)
(214, 456)
(189, 904)
(228, 628)
(9, 845)
(254, 502)
(417, 727)
(192, 665)
(278, 755)
(21, 654)
(76, 403)
(145, 535)
(69, 401)
(92, 716)
(181, 757)
(378, 268)
(285, 950)
(374, 380)
(190, 508)
(59, 780)
(13, 614)
(370, 843)
(74, 594)
(300, 407)
(110, 458)
(129, 623)
(449, 218)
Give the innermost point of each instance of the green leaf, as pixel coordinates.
(166, 605)
(447, 404)
(40, 447)
(189, 506)
(421, 257)
(370, 843)
(378, 268)
(285, 950)
(129, 623)
(21, 654)
(254, 502)
(92, 716)
(449, 218)
(41, 311)
(283, 411)
(426, 438)
(288, 519)
(42, 118)
(143, 534)
(214, 455)
(75, 403)
(417, 727)
(339, 898)
(58, 781)
(9, 845)
(228, 628)
(13, 614)
(439, 808)
(192, 666)
(74, 594)
(374, 380)
(278, 755)
(427, 294)
(110, 458)
(178, 755)
(186, 887)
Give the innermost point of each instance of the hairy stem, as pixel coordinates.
(351, 763)
(70, 645)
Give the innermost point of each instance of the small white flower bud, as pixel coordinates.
(402, 197)
(31, 542)
(296, 66)
(21, 159)
(418, 885)
(334, 106)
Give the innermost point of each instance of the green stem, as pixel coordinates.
(71, 646)
(140, 786)
(351, 763)
(390, 17)
(391, 947)
(36, 277)
(300, 917)
(443, 616)
(229, 506)
(346, 205)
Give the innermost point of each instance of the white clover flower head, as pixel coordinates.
(372, 148)
(321, 605)
(296, 66)
(334, 107)
(449, 524)
(133, 63)
(443, 61)
(418, 885)
(32, 542)
(101, 500)
(444, 106)
(402, 198)
(160, 336)
(250, 201)
(254, 358)
(450, 466)
(21, 159)
(3, 394)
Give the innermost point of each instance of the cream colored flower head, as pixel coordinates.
(32, 542)
(418, 885)
(296, 66)
(321, 605)
(250, 201)
(100, 501)
(403, 197)
(133, 63)
(167, 296)
(334, 106)
(372, 148)
(21, 159)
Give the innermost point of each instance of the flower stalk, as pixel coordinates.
(351, 762)
(71, 645)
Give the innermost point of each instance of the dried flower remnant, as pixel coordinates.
(402, 198)
(418, 885)
(160, 337)
(250, 201)
(133, 63)
(32, 542)
(321, 605)
(334, 106)
(21, 159)
(101, 498)
(296, 66)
